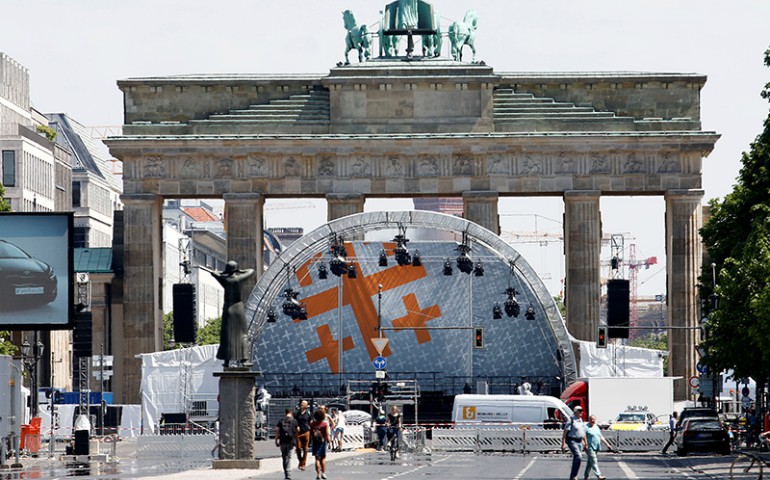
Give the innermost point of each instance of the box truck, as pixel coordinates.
(527, 409)
(606, 397)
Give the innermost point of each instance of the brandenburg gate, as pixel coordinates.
(425, 127)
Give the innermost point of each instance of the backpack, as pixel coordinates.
(318, 436)
(285, 431)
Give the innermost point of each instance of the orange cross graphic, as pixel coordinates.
(361, 295)
(416, 318)
(329, 348)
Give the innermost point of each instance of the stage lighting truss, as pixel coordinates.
(292, 306)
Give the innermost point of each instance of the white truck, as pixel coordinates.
(606, 397)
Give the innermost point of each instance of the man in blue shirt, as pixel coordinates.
(574, 437)
(671, 431)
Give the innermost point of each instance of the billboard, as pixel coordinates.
(36, 271)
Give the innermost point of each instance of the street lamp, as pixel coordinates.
(31, 354)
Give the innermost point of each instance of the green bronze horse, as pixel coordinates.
(464, 33)
(356, 39)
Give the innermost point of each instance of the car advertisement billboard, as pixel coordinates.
(36, 277)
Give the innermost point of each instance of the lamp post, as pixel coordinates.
(31, 354)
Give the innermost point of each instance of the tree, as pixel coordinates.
(6, 347)
(5, 205)
(737, 238)
(168, 332)
(209, 334)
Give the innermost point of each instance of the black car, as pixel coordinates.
(702, 434)
(24, 280)
(700, 412)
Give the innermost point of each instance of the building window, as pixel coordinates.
(75, 194)
(9, 168)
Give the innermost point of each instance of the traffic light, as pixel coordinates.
(479, 338)
(601, 337)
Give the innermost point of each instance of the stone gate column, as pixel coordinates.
(143, 314)
(343, 204)
(582, 248)
(481, 207)
(684, 217)
(243, 216)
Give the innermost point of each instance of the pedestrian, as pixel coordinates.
(574, 437)
(594, 439)
(752, 434)
(381, 422)
(320, 435)
(285, 433)
(339, 429)
(394, 424)
(303, 419)
(671, 431)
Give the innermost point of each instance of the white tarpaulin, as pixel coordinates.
(619, 361)
(129, 424)
(168, 377)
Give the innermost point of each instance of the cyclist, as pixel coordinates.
(394, 425)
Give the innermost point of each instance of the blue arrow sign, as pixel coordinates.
(380, 363)
(702, 369)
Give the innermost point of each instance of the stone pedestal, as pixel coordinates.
(237, 417)
(481, 207)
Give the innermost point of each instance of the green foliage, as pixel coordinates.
(737, 237)
(6, 347)
(49, 132)
(209, 334)
(562, 307)
(5, 205)
(168, 332)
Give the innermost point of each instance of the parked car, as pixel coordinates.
(701, 412)
(634, 421)
(702, 434)
(24, 280)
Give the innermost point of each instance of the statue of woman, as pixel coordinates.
(234, 336)
(408, 15)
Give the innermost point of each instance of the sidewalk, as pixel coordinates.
(270, 464)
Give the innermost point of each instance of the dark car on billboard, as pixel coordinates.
(24, 280)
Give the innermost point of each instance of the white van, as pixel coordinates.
(527, 409)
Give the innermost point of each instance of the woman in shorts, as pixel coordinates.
(319, 435)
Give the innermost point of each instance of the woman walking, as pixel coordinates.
(594, 439)
(320, 438)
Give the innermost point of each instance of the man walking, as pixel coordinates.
(574, 437)
(671, 431)
(284, 439)
(303, 433)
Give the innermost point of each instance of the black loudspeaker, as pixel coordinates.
(185, 324)
(81, 338)
(81, 442)
(617, 308)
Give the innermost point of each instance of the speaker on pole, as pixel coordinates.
(185, 322)
(82, 336)
(617, 308)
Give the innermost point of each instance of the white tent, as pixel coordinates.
(619, 361)
(174, 380)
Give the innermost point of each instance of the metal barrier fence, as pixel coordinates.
(515, 439)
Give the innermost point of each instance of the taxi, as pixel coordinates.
(634, 420)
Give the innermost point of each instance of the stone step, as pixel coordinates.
(587, 124)
(554, 115)
(532, 104)
(277, 111)
(247, 118)
(258, 121)
(542, 108)
(525, 101)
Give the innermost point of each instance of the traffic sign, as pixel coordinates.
(702, 368)
(380, 363)
(379, 374)
(694, 382)
(745, 391)
(380, 344)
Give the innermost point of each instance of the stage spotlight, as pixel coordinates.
(464, 264)
(323, 272)
(338, 266)
(383, 259)
(401, 253)
(416, 262)
(512, 308)
(292, 306)
(271, 315)
(530, 313)
(478, 270)
(352, 271)
(497, 312)
(447, 268)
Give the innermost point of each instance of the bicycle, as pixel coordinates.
(744, 466)
(393, 443)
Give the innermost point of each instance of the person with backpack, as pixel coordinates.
(284, 439)
(319, 429)
(302, 422)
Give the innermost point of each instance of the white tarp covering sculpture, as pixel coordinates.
(619, 361)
